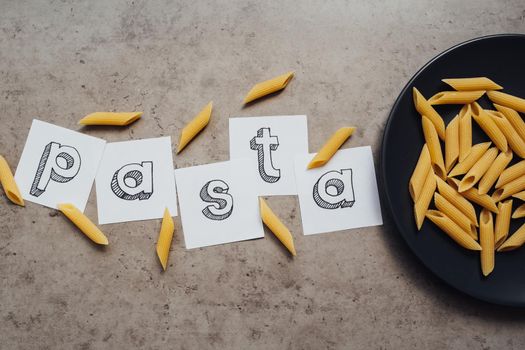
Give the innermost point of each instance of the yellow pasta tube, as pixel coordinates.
(8, 183)
(417, 180)
(455, 97)
(276, 226)
(501, 229)
(514, 119)
(478, 170)
(470, 84)
(452, 230)
(425, 109)
(110, 118)
(465, 132)
(455, 214)
(511, 173)
(486, 240)
(519, 195)
(475, 154)
(488, 126)
(494, 171)
(269, 86)
(514, 241)
(195, 126)
(330, 147)
(453, 196)
(514, 140)
(472, 195)
(519, 212)
(507, 100)
(509, 189)
(423, 202)
(83, 223)
(165, 237)
(434, 147)
(451, 143)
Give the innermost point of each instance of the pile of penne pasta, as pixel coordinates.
(464, 174)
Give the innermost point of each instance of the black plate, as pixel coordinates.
(501, 58)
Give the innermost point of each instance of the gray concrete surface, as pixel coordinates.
(360, 289)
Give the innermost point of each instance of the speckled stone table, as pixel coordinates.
(359, 289)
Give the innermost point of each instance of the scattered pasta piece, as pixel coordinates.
(425, 109)
(494, 171)
(330, 147)
(454, 197)
(83, 223)
(519, 212)
(501, 229)
(470, 84)
(269, 86)
(110, 118)
(8, 183)
(488, 126)
(276, 226)
(509, 189)
(475, 154)
(434, 147)
(519, 195)
(423, 202)
(417, 180)
(514, 241)
(165, 236)
(452, 143)
(465, 132)
(478, 170)
(472, 195)
(514, 118)
(507, 100)
(511, 173)
(514, 140)
(455, 97)
(195, 126)
(455, 214)
(454, 231)
(486, 240)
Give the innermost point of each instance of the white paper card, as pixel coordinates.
(340, 195)
(58, 165)
(218, 204)
(135, 181)
(272, 142)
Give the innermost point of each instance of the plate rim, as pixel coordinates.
(383, 175)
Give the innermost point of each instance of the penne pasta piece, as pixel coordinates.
(276, 226)
(509, 189)
(507, 100)
(423, 202)
(425, 109)
(478, 170)
(488, 126)
(8, 183)
(495, 170)
(486, 240)
(515, 241)
(83, 223)
(330, 147)
(472, 195)
(465, 132)
(519, 212)
(434, 147)
(417, 180)
(501, 229)
(519, 195)
(475, 154)
(455, 215)
(514, 140)
(452, 230)
(511, 173)
(454, 197)
(451, 143)
(455, 97)
(514, 119)
(165, 237)
(110, 118)
(269, 86)
(195, 126)
(470, 84)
